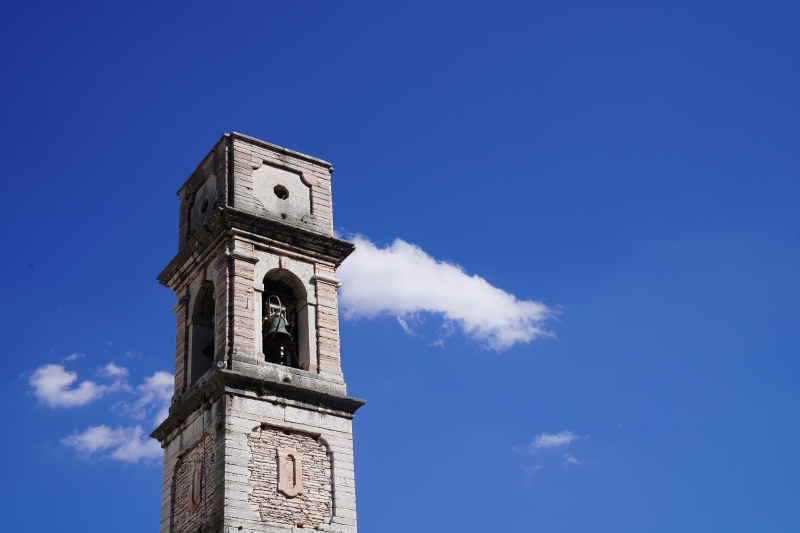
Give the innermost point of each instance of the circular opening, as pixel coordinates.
(281, 192)
(204, 206)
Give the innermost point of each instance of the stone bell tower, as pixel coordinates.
(259, 433)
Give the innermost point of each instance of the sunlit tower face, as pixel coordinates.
(259, 433)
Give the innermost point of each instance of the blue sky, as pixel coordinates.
(632, 167)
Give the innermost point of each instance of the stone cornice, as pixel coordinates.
(280, 150)
(265, 230)
(221, 380)
(196, 174)
(327, 279)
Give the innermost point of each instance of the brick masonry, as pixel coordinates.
(186, 519)
(310, 508)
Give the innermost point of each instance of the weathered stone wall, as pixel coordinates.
(213, 168)
(243, 334)
(327, 320)
(254, 429)
(186, 520)
(181, 332)
(248, 157)
(237, 162)
(308, 509)
(182, 450)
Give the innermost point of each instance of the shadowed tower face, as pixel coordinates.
(259, 433)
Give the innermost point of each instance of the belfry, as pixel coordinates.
(259, 432)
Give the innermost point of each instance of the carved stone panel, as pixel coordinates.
(282, 192)
(290, 472)
(196, 487)
(290, 477)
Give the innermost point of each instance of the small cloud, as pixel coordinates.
(74, 356)
(53, 386)
(155, 395)
(109, 343)
(422, 284)
(131, 355)
(127, 444)
(94, 439)
(619, 426)
(533, 468)
(570, 460)
(139, 446)
(113, 371)
(553, 440)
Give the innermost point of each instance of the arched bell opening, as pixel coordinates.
(282, 327)
(202, 333)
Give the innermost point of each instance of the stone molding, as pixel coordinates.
(229, 220)
(220, 380)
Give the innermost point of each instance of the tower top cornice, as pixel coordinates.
(266, 231)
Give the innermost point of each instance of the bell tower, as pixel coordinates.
(259, 433)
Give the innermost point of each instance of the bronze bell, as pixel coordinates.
(276, 333)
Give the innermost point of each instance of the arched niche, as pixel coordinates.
(202, 332)
(287, 287)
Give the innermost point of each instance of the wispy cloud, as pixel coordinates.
(553, 440)
(402, 280)
(113, 371)
(74, 356)
(569, 459)
(127, 444)
(154, 396)
(53, 385)
(549, 447)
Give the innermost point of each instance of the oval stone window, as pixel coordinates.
(281, 192)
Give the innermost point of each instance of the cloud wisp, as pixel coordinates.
(154, 396)
(569, 459)
(403, 281)
(548, 446)
(113, 371)
(553, 440)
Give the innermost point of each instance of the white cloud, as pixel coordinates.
(570, 460)
(94, 439)
(113, 371)
(127, 444)
(52, 384)
(553, 440)
(74, 356)
(139, 446)
(56, 387)
(402, 280)
(155, 394)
